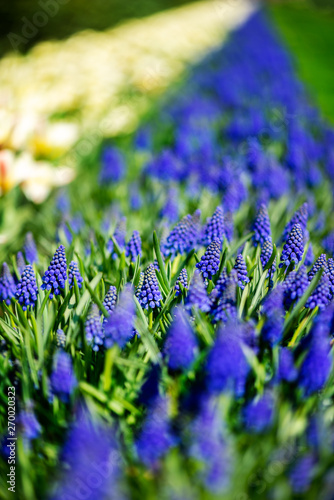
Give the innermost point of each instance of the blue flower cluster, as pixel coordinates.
(56, 274)
(26, 291)
(150, 295)
(209, 263)
(74, 273)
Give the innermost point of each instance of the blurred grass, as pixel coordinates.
(309, 33)
(73, 16)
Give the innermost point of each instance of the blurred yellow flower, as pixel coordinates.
(36, 178)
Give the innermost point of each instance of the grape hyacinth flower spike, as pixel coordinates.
(150, 295)
(259, 413)
(140, 284)
(183, 236)
(321, 262)
(240, 267)
(320, 296)
(94, 330)
(91, 455)
(133, 248)
(62, 378)
(110, 301)
(227, 367)
(156, 436)
(118, 328)
(61, 339)
(299, 217)
(26, 291)
(20, 263)
(30, 249)
(224, 308)
(228, 226)
(7, 285)
(214, 228)
(266, 253)
(119, 237)
(209, 263)
(261, 226)
(180, 345)
(56, 274)
(330, 274)
(294, 247)
(197, 295)
(272, 329)
(73, 272)
(294, 286)
(181, 280)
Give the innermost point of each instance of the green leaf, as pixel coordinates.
(97, 301)
(239, 243)
(302, 301)
(158, 255)
(86, 296)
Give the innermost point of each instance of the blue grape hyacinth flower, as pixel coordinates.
(7, 285)
(272, 329)
(62, 378)
(266, 252)
(30, 426)
(61, 338)
(259, 413)
(224, 305)
(181, 280)
(180, 346)
(133, 248)
(299, 217)
(214, 228)
(183, 237)
(295, 286)
(119, 237)
(110, 300)
(140, 284)
(197, 296)
(241, 268)
(209, 263)
(156, 436)
(261, 226)
(113, 166)
(294, 247)
(227, 367)
(90, 462)
(20, 262)
(118, 328)
(286, 368)
(150, 295)
(320, 263)
(73, 272)
(301, 474)
(94, 330)
(208, 445)
(317, 364)
(56, 274)
(29, 248)
(321, 295)
(26, 290)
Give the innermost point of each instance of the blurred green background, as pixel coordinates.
(308, 30)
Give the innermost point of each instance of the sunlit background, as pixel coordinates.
(74, 72)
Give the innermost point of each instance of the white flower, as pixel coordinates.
(36, 178)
